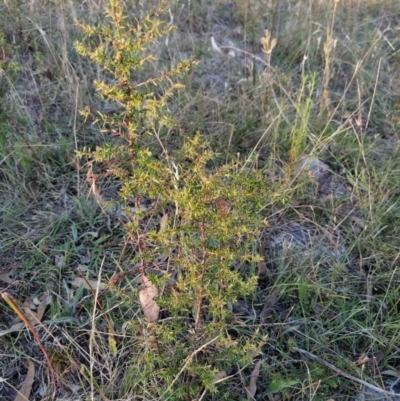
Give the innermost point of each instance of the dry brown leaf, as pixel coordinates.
(42, 303)
(6, 275)
(32, 316)
(15, 327)
(25, 390)
(96, 193)
(40, 312)
(147, 293)
(252, 388)
(379, 356)
(269, 304)
(94, 284)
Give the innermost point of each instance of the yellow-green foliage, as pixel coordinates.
(211, 216)
(122, 48)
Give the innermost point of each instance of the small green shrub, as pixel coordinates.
(203, 220)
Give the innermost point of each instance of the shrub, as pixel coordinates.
(203, 220)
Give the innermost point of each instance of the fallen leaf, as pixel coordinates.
(6, 275)
(45, 299)
(42, 303)
(32, 316)
(147, 293)
(25, 390)
(214, 45)
(252, 388)
(83, 268)
(59, 260)
(390, 372)
(94, 284)
(379, 356)
(220, 376)
(15, 327)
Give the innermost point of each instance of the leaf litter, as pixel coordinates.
(147, 293)
(251, 389)
(26, 388)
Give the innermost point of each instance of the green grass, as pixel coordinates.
(339, 302)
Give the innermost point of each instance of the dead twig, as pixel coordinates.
(344, 374)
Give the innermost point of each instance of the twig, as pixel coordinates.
(340, 372)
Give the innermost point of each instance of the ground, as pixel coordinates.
(317, 112)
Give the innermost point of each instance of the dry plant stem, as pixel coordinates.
(76, 138)
(15, 389)
(374, 93)
(10, 301)
(327, 70)
(92, 332)
(357, 68)
(344, 374)
(203, 270)
(200, 394)
(110, 324)
(95, 295)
